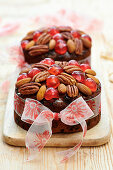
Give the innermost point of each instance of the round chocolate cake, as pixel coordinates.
(59, 43)
(56, 84)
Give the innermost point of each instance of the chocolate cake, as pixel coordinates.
(59, 43)
(56, 84)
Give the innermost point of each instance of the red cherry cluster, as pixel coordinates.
(48, 61)
(61, 46)
(36, 35)
(55, 69)
(30, 74)
(53, 82)
(91, 84)
(52, 31)
(24, 43)
(80, 75)
(51, 93)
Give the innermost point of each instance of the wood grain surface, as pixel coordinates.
(88, 158)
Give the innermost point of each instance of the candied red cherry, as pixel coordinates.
(48, 61)
(87, 37)
(79, 76)
(22, 76)
(73, 62)
(85, 66)
(51, 93)
(36, 35)
(61, 47)
(91, 84)
(24, 43)
(52, 81)
(75, 34)
(57, 37)
(55, 69)
(33, 72)
(52, 31)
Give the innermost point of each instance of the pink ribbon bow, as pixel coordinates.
(41, 119)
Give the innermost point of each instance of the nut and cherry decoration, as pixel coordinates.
(56, 84)
(60, 43)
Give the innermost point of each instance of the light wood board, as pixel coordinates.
(14, 135)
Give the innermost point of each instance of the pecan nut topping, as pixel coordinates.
(41, 66)
(78, 46)
(38, 50)
(25, 70)
(64, 28)
(72, 91)
(69, 69)
(29, 88)
(22, 81)
(61, 63)
(42, 76)
(66, 79)
(44, 39)
(67, 35)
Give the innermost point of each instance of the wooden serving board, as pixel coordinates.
(99, 135)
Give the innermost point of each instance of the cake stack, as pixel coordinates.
(58, 73)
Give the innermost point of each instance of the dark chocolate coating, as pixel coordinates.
(52, 54)
(56, 105)
(60, 127)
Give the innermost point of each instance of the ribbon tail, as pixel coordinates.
(38, 135)
(70, 152)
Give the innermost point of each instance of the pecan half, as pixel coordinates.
(61, 63)
(42, 76)
(84, 89)
(78, 46)
(29, 88)
(41, 66)
(69, 69)
(25, 70)
(38, 50)
(64, 28)
(22, 81)
(66, 79)
(72, 91)
(67, 35)
(44, 39)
